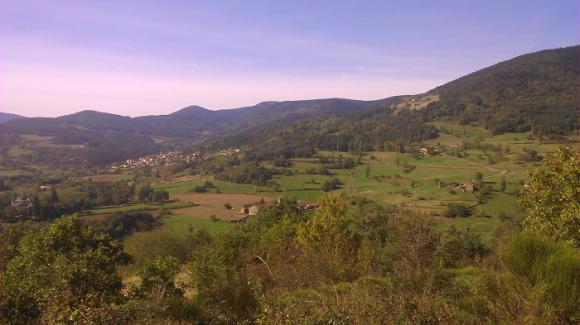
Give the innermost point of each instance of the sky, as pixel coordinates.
(154, 57)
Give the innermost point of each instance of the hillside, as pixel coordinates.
(102, 138)
(535, 92)
(5, 117)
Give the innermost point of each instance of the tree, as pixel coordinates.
(160, 195)
(502, 185)
(158, 279)
(551, 202)
(328, 222)
(330, 185)
(454, 210)
(53, 196)
(145, 193)
(65, 273)
(479, 179)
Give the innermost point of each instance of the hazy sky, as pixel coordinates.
(154, 57)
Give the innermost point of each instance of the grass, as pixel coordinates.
(389, 184)
(12, 172)
(184, 185)
(180, 224)
(139, 207)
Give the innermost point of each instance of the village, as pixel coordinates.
(165, 159)
(161, 159)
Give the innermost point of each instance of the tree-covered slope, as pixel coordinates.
(537, 92)
(5, 117)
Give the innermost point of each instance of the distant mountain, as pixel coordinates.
(109, 137)
(537, 92)
(5, 117)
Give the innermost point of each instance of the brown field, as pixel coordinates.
(213, 204)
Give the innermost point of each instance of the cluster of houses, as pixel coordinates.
(228, 151)
(161, 159)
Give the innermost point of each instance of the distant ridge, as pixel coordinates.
(5, 117)
(536, 92)
(191, 110)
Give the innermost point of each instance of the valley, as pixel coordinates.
(424, 183)
(439, 207)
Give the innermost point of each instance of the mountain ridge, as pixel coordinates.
(5, 117)
(536, 91)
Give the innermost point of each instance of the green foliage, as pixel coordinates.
(246, 173)
(456, 210)
(158, 278)
(534, 92)
(552, 269)
(66, 272)
(529, 155)
(551, 202)
(160, 196)
(120, 225)
(328, 223)
(145, 247)
(330, 185)
(502, 185)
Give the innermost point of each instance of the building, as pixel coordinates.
(21, 203)
(466, 187)
(305, 205)
(251, 210)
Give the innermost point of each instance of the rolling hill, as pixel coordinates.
(5, 117)
(538, 92)
(535, 92)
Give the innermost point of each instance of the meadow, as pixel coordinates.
(385, 177)
(422, 183)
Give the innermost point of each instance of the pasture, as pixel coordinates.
(205, 205)
(422, 183)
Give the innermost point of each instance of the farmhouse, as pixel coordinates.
(466, 187)
(251, 210)
(425, 151)
(305, 205)
(21, 202)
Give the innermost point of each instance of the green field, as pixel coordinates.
(180, 224)
(423, 188)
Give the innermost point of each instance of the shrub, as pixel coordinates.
(552, 269)
(455, 210)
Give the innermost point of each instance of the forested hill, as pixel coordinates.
(538, 92)
(5, 117)
(108, 137)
